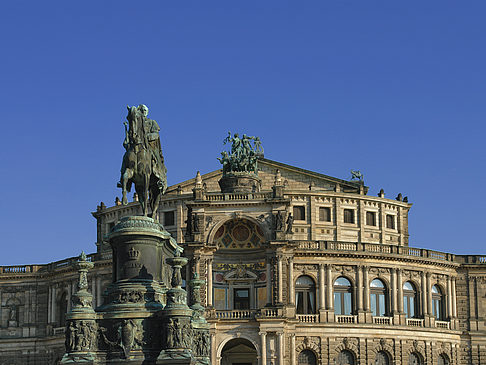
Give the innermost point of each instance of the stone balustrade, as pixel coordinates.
(216, 197)
(385, 249)
(236, 314)
(415, 322)
(308, 318)
(384, 321)
(347, 319)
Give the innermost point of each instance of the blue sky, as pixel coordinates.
(394, 89)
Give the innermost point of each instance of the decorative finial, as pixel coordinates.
(381, 194)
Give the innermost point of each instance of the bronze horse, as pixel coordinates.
(140, 165)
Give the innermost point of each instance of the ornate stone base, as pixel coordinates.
(240, 182)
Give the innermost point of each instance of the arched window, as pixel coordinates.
(378, 298)
(382, 358)
(409, 300)
(437, 303)
(307, 357)
(305, 295)
(443, 360)
(414, 359)
(345, 357)
(343, 303)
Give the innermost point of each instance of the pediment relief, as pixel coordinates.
(240, 274)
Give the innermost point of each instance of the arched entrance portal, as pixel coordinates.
(239, 351)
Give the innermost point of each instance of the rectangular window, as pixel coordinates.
(299, 213)
(348, 215)
(390, 221)
(241, 299)
(169, 219)
(371, 218)
(324, 214)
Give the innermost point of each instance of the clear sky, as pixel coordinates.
(394, 89)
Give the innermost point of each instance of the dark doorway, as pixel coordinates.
(239, 351)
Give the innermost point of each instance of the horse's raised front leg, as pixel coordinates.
(127, 175)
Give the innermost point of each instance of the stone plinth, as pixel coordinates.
(239, 182)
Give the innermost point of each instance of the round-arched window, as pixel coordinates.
(443, 360)
(382, 358)
(409, 300)
(305, 295)
(345, 357)
(378, 298)
(307, 357)
(414, 359)
(437, 303)
(343, 300)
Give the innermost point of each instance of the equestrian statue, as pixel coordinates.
(143, 162)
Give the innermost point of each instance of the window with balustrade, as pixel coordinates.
(345, 357)
(343, 299)
(437, 303)
(307, 357)
(414, 359)
(382, 358)
(443, 360)
(305, 295)
(410, 302)
(378, 298)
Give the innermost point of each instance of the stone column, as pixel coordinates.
(359, 280)
(400, 290)
(393, 288)
(69, 294)
(49, 305)
(366, 289)
(263, 355)
(291, 290)
(53, 304)
(99, 297)
(209, 299)
(425, 279)
(281, 351)
(214, 350)
(94, 293)
(329, 298)
(269, 282)
(448, 313)
(429, 295)
(280, 279)
(321, 287)
(454, 298)
(292, 349)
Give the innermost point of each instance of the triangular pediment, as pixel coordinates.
(294, 178)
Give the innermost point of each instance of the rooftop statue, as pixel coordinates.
(356, 175)
(243, 156)
(143, 162)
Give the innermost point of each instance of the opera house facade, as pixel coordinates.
(300, 268)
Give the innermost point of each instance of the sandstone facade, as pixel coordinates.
(336, 284)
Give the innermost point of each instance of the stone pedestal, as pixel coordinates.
(142, 321)
(239, 182)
